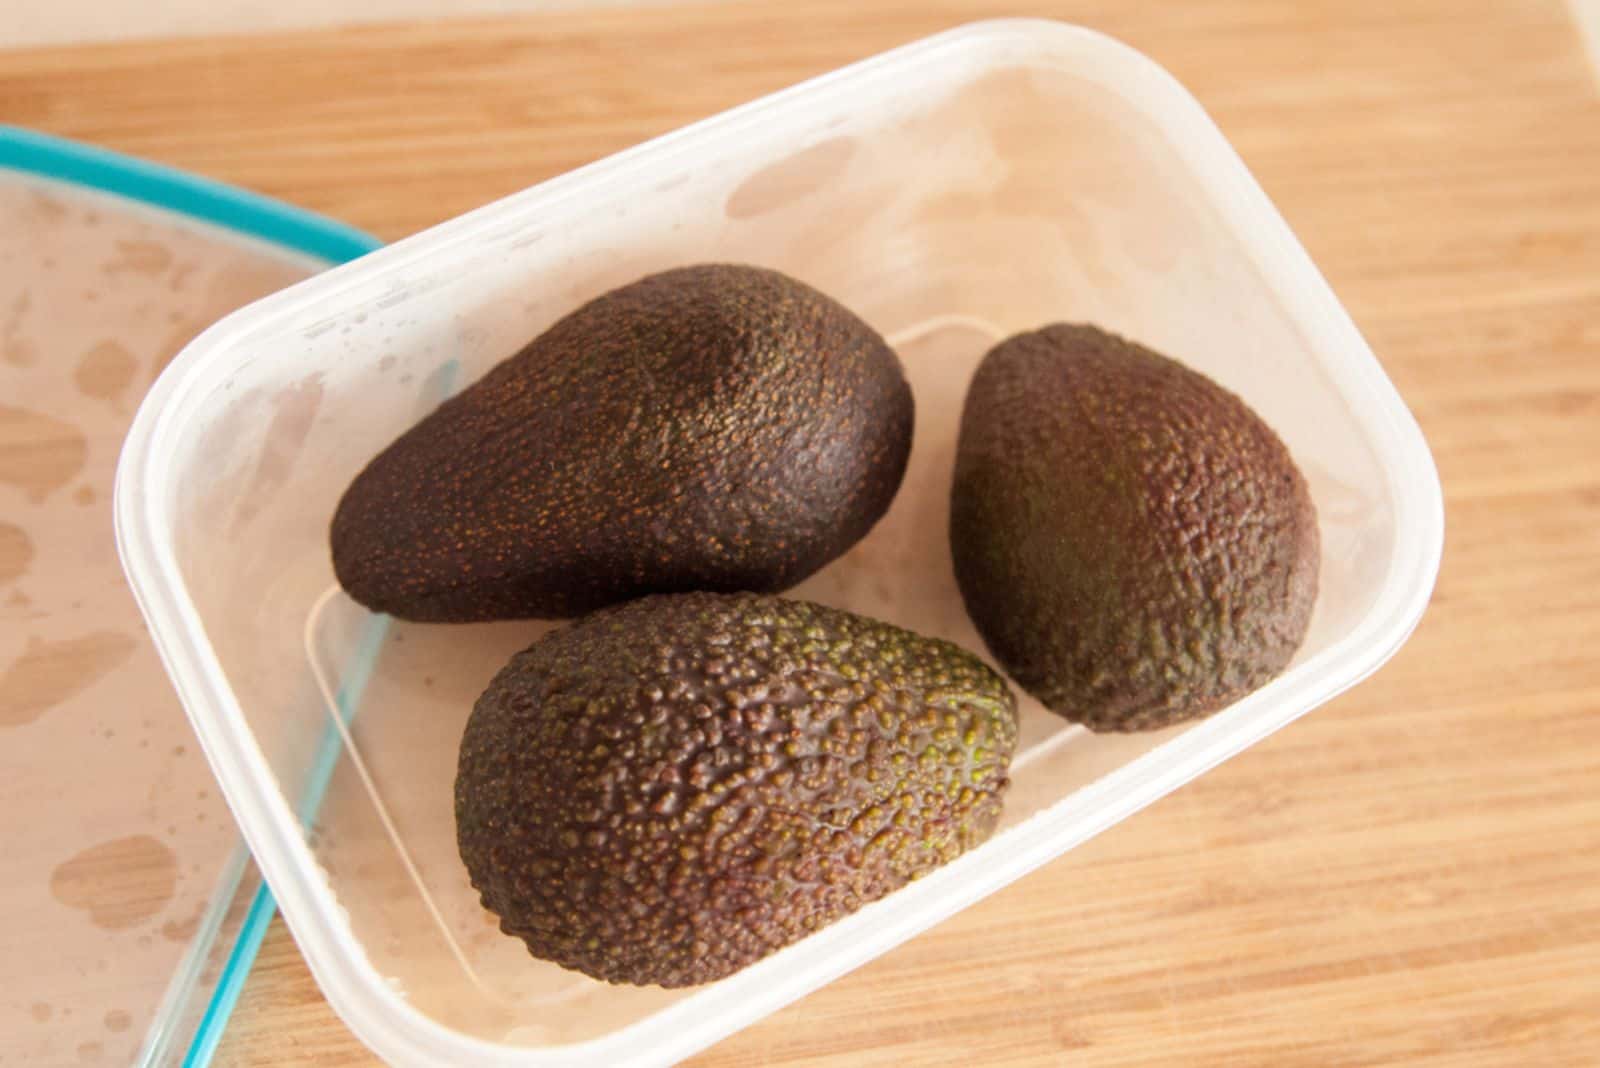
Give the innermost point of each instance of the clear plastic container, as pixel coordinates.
(984, 181)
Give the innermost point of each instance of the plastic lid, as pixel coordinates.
(121, 886)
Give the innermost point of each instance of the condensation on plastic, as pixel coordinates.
(128, 894)
(116, 837)
(981, 182)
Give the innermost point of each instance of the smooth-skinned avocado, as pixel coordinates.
(715, 427)
(669, 790)
(1135, 545)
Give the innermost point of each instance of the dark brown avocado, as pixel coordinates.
(667, 791)
(713, 427)
(1135, 545)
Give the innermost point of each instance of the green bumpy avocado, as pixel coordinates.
(669, 790)
(1134, 544)
(714, 427)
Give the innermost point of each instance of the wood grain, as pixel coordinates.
(1407, 875)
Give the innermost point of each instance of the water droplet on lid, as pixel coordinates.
(105, 371)
(49, 672)
(39, 453)
(138, 257)
(16, 552)
(180, 276)
(120, 883)
(19, 351)
(183, 930)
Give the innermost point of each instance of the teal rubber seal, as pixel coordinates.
(186, 194)
(300, 231)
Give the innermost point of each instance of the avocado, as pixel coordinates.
(666, 791)
(1134, 544)
(715, 427)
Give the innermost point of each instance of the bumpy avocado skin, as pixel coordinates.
(713, 427)
(1135, 545)
(669, 790)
